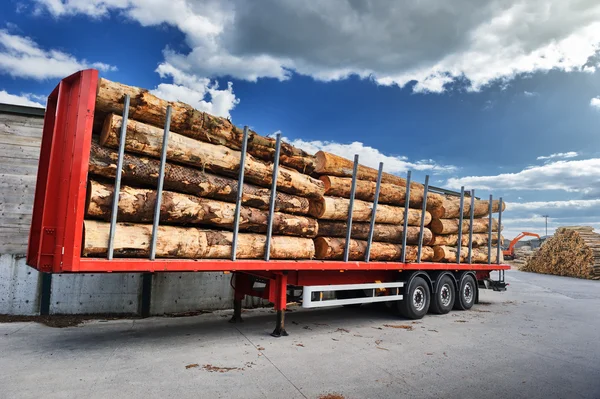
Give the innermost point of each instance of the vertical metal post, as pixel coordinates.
(161, 179)
(460, 224)
(471, 215)
(373, 213)
(273, 196)
(423, 211)
(350, 208)
(499, 247)
(406, 207)
(490, 220)
(240, 189)
(117, 190)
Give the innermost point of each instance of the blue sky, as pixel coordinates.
(501, 96)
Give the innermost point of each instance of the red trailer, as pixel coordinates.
(57, 231)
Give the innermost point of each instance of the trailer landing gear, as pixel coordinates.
(237, 311)
(280, 325)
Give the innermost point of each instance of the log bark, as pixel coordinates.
(330, 248)
(334, 165)
(336, 208)
(190, 122)
(144, 171)
(137, 205)
(442, 253)
(450, 226)
(147, 139)
(450, 208)
(133, 240)
(388, 193)
(479, 239)
(381, 233)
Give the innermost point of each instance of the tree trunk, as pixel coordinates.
(146, 139)
(329, 248)
(479, 239)
(137, 205)
(133, 240)
(443, 253)
(334, 165)
(381, 233)
(388, 193)
(142, 170)
(450, 226)
(335, 208)
(451, 208)
(190, 122)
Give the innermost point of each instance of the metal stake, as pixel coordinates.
(423, 211)
(472, 213)
(460, 224)
(499, 230)
(273, 196)
(238, 202)
(405, 226)
(375, 200)
(350, 208)
(490, 219)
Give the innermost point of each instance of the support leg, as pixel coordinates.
(278, 295)
(241, 281)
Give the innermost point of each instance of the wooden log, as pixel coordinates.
(190, 122)
(144, 171)
(137, 205)
(147, 139)
(133, 240)
(388, 193)
(331, 248)
(334, 165)
(336, 208)
(479, 239)
(442, 253)
(381, 232)
(450, 226)
(450, 208)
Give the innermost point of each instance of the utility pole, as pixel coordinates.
(546, 216)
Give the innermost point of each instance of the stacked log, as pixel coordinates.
(573, 251)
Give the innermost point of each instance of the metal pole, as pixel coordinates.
(472, 214)
(240, 189)
(373, 213)
(499, 230)
(117, 190)
(460, 224)
(273, 196)
(490, 221)
(350, 208)
(546, 217)
(405, 226)
(161, 179)
(423, 211)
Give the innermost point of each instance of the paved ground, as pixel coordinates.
(541, 339)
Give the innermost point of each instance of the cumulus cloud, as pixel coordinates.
(595, 102)
(570, 154)
(393, 43)
(22, 57)
(20, 99)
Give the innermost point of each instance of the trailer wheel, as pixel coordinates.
(443, 300)
(417, 298)
(466, 293)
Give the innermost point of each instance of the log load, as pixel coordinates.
(442, 253)
(573, 251)
(381, 232)
(144, 171)
(146, 139)
(336, 208)
(137, 205)
(388, 193)
(450, 208)
(331, 248)
(450, 226)
(187, 121)
(479, 239)
(133, 240)
(334, 165)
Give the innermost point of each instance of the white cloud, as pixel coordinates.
(595, 102)
(530, 93)
(394, 43)
(22, 99)
(570, 154)
(22, 57)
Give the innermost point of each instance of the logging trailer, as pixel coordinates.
(57, 230)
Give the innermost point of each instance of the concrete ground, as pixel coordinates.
(540, 339)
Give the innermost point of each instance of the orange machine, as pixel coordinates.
(510, 252)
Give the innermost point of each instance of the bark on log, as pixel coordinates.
(450, 208)
(336, 208)
(133, 240)
(381, 232)
(190, 122)
(330, 248)
(388, 193)
(144, 171)
(479, 239)
(137, 205)
(147, 139)
(450, 226)
(334, 165)
(443, 253)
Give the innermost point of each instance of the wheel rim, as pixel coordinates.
(468, 292)
(419, 299)
(445, 295)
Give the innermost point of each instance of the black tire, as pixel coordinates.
(350, 294)
(416, 301)
(443, 300)
(467, 292)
